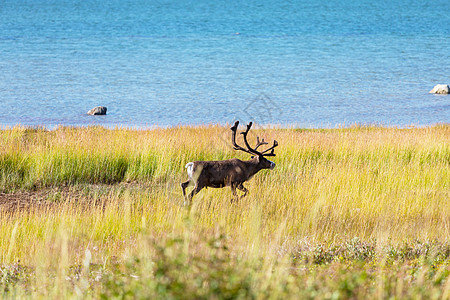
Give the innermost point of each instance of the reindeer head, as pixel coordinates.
(257, 155)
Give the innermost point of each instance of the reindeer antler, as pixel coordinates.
(259, 143)
(275, 143)
(233, 138)
(250, 149)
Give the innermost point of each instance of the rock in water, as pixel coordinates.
(441, 89)
(99, 110)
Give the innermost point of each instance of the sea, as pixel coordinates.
(311, 64)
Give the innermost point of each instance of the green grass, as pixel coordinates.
(347, 213)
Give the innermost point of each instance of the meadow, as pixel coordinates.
(351, 213)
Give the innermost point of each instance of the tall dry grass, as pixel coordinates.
(377, 194)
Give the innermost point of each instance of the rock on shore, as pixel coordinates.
(441, 89)
(99, 110)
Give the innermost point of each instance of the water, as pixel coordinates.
(319, 63)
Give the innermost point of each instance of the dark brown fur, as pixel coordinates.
(217, 174)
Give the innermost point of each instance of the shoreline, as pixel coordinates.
(258, 126)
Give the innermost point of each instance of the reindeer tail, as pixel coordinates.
(190, 169)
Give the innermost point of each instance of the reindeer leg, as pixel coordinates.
(196, 189)
(184, 185)
(235, 195)
(242, 188)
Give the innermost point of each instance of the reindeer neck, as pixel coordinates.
(253, 166)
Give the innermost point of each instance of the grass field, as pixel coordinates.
(354, 213)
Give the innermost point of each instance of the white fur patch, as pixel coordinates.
(190, 169)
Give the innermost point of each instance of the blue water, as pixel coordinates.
(321, 63)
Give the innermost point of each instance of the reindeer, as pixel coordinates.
(232, 172)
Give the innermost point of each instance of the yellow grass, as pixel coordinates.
(113, 195)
